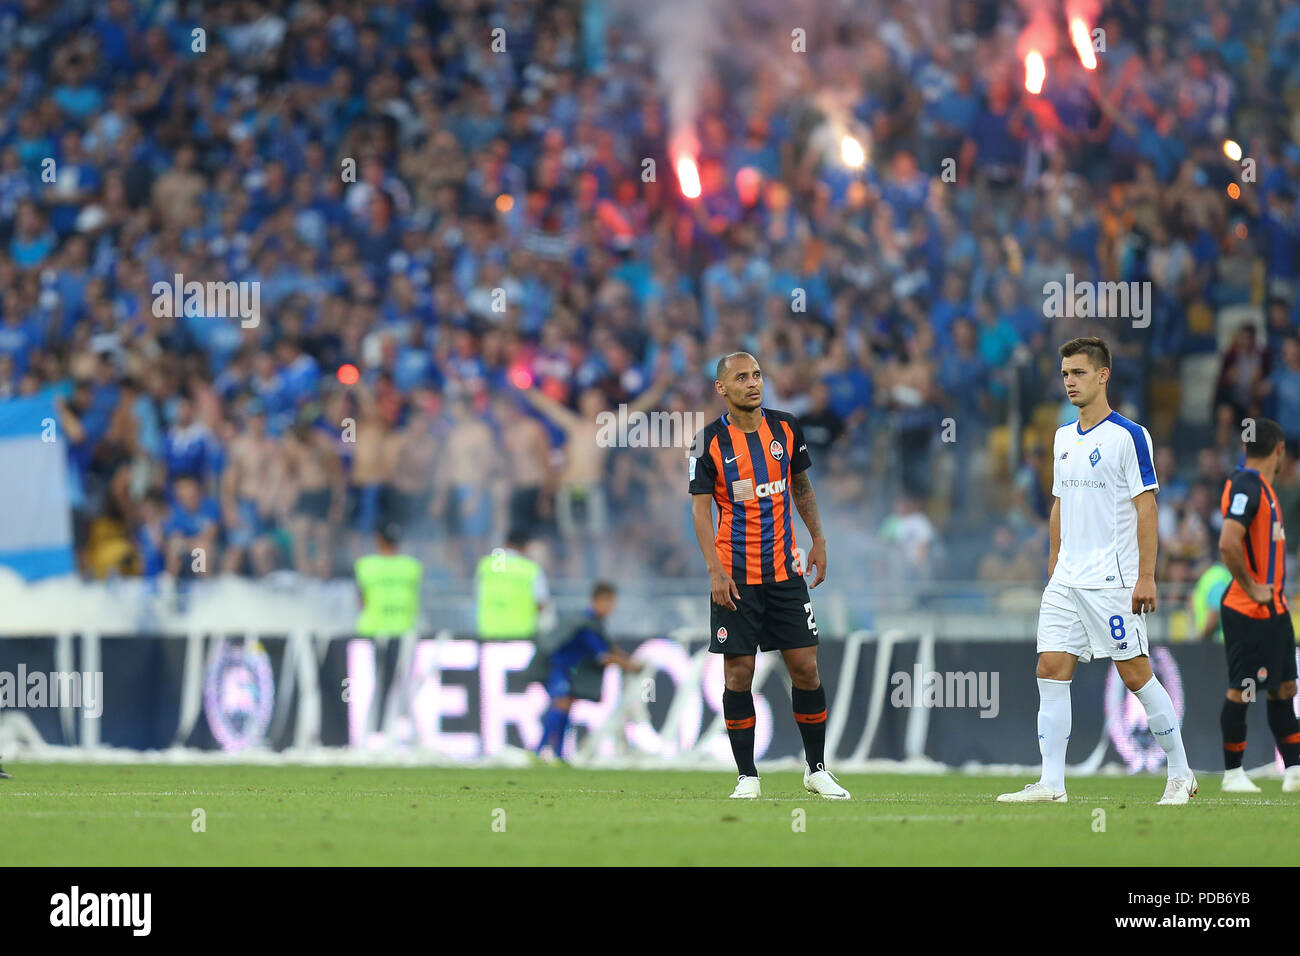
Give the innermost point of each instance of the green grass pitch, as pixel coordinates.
(64, 814)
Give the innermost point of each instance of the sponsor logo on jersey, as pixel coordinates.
(776, 450)
(745, 490)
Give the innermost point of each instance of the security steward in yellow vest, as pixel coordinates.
(390, 588)
(511, 591)
(390, 605)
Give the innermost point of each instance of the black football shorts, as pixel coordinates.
(1261, 649)
(768, 617)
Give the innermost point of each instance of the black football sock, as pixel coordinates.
(1286, 730)
(738, 710)
(1232, 722)
(810, 715)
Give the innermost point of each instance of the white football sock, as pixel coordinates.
(1164, 725)
(1053, 729)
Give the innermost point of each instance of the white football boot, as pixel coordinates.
(1178, 790)
(1291, 780)
(1236, 781)
(1037, 792)
(747, 788)
(824, 783)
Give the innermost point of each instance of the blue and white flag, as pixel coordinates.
(36, 521)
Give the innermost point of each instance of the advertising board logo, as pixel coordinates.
(238, 694)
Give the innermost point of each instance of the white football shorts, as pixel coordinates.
(1091, 622)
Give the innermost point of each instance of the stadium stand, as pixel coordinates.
(474, 233)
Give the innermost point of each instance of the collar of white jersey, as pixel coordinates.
(1114, 416)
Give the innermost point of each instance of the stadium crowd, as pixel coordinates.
(471, 229)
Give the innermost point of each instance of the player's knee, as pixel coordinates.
(1284, 691)
(1049, 669)
(1135, 673)
(740, 675)
(1134, 682)
(805, 676)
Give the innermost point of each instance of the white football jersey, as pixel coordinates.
(1097, 474)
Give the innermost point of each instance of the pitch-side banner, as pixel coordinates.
(451, 698)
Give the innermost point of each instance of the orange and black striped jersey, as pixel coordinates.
(748, 474)
(1249, 499)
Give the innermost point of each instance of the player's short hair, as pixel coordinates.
(723, 362)
(390, 533)
(1096, 349)
(1268, 435)
(603, 589)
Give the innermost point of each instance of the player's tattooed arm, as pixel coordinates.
(805, 499)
